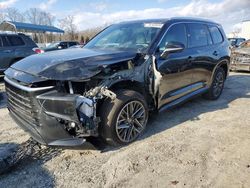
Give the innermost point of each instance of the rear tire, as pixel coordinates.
(217, 85)
(123, 119)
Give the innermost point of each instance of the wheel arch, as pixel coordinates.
(129, 85)
(224, 64)
(134, 86)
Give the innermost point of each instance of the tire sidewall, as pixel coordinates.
(219, 70)
(109, 127)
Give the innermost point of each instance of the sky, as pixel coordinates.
(89, 14)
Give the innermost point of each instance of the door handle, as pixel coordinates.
(190, 59)
(215, 53)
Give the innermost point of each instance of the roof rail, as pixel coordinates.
(7, 32)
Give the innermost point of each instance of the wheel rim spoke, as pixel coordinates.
(138, 123)
(137, 111)
(123, 126)
(127, 111)
(140, 115)
(125, 134)
(136, 130)
(122, 116)
(131, 109)
(129, 133)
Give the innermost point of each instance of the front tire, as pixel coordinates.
(217, 86)
(123, 119)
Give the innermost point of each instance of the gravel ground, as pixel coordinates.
(200, 144)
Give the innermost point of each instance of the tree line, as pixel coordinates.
(40, 17)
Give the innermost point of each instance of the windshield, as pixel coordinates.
(132, 36)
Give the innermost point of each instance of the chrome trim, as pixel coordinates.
(28, 89)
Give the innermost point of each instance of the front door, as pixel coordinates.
(175, 69)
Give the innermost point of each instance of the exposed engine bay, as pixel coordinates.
(74, 103)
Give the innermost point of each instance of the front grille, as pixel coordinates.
(21, 103)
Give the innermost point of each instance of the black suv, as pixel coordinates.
(14, 47)
(60, 45)
(108, 87)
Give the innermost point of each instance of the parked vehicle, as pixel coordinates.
(60, 45)
(235, 42)
(109, 87)
(14, 47)
(240, 57)
(77, 46)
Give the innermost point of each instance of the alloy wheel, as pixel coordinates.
(218, 84)
(131, 121)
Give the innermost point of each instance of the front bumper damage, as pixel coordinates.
(54, 118)
(240, 62)
(56, 102)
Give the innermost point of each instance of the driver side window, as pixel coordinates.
(176, 33)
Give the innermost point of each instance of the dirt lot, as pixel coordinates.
(200, 144)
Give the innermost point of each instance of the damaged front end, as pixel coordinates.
(65, 112)
(240, 60)
(54, 117)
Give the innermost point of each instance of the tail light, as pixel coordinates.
(38, 50)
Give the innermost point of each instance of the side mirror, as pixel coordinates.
(172, 47)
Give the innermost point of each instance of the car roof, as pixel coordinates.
(174, 19)
(13, 34)
(9, 34)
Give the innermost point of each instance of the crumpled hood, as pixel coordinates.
(245, 51)
(71, 64)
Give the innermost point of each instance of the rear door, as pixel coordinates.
(202, 54)
(6, 53)
(19, 48)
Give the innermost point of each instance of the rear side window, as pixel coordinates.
(64, 45)
(216, 34)
(176, 33)
(198, 35)
(72, 43)
(28, 41)
(5, 41)
(16, 41)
